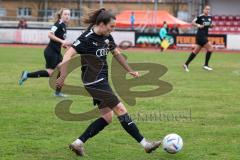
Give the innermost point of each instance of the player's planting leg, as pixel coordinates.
(206, 65)
(58, 92)
(93, 129)
(208, 56)
(132, 128)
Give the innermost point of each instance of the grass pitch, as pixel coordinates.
(206, 105)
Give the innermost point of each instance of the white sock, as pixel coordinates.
(144, 142)
(77, 142)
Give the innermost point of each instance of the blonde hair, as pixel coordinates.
(207, 6)
(59, 13)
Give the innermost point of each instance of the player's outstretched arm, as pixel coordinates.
(63, 66)
(121, 59)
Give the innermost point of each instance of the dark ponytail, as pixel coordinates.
(98, 16)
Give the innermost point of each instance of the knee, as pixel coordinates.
(120, 109)
(50, 72)
(195, 51)
(108, 117)
(210, 49)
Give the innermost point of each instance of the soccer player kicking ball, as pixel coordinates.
(93, 46)
(203, 22)
(52, 53)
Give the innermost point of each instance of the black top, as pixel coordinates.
(94, 49)
(206, 21)
(59, 30)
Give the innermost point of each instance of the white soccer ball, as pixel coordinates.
(172, 143)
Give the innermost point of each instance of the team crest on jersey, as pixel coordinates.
(107, 41)
(209, 19)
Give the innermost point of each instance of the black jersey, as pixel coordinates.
(94, 49)
(206, 21)
(59, 30)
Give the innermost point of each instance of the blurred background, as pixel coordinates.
(44, 10)
(140, 16)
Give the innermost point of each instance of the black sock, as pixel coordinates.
(130, 127)
(93, 129)
(208, 56)
(37, 74)
(190, 58)
(58, 89)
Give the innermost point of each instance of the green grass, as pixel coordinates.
(30, 130)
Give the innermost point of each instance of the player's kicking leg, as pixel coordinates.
(25, 75)
(133, 130)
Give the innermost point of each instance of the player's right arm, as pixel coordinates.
(195, 23)
(80, 47)
(63, 66)
(51, 35)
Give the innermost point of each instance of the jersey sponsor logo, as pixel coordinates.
(102, 52)
(53, 29)
(206, 23)
(76, 43)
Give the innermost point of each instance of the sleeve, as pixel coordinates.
(80, 46)
(112, 44)
(55, 27)
(198, 20)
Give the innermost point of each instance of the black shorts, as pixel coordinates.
(201, 41)
(102, 94)
(52, 57)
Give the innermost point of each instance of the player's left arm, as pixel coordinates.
(211, 25)
(122, 60)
